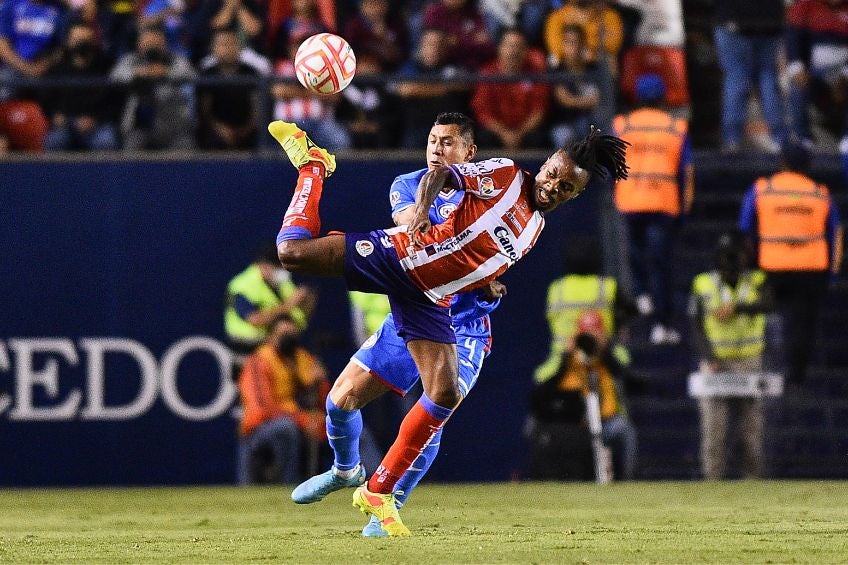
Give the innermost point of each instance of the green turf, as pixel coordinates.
(734, 522)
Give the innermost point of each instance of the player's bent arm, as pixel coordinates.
(432, 183)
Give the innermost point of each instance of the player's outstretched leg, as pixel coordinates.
(383, 508)
(299, 148)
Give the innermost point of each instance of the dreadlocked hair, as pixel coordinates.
(601, 154)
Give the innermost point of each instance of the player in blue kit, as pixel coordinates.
(383, 363)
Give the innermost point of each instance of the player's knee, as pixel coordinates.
(290, 255)
(447, 396)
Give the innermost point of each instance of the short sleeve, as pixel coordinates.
(401, 194)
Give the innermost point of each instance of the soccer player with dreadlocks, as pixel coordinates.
(420, 266)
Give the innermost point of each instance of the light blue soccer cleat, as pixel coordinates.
(319, 486)
(373, 529)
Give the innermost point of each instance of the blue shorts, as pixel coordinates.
(372, 265)
(385, 356)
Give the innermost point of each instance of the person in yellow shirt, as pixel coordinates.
(601, 24)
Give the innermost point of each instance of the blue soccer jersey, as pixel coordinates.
(402, 196)
(384, 354)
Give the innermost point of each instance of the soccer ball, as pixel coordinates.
(324, 63)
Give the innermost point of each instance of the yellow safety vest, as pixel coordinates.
(374, 308)
(569, 297)
(743, 336)
(249, 283)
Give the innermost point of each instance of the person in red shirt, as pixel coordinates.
(511, 115)
(468, 40)
(419, 266)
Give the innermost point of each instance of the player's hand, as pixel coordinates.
(418, 226)
(494, 290)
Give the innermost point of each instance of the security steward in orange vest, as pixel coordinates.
(655, 196)
(798, 236)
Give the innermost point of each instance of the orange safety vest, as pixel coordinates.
(792, 221)
(656, 143)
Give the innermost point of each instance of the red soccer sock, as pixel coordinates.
(416, 430)
(302, 219)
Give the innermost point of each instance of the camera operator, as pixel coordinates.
(158, 113)
(588, 360)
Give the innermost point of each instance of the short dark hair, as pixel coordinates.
(796, 156)
(463, 122)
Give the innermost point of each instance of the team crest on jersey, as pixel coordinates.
(394, 197)
(446, 210)
(487, 186)
(369, 343)
(364, 247)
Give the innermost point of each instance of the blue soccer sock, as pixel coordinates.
(343, 430)
(413, 475)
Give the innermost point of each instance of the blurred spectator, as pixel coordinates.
(283, 389)
(589, 358)
(747, 39)
(817, 51)
(367, 312)
(30, 35)
(602, 25)
(374, 34)
(158, 113)
(500, 15)
(312, 112)
(661, 24)
(279, 10)
(423, 98)
(23, 124)
(228, 113)
(259, 295)
(728, 306)
(167, 15)
(5, 146)
(84, 117)
(584, 287)
(116, 21)
(653, 199)
(511, 114)
(575, 97)
(303, 22)
(368, 111)
(204, 17)
(798, 233)
(468, 41)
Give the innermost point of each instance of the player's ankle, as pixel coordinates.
(347, 473)
(314, 168)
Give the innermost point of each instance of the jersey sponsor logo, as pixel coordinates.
(487, 186)
(364, 247)
(394, 197)
(369, 343)
(446, 210)
(502, 235)
(474, 169)
(448, 244)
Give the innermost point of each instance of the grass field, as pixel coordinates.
(734, 522)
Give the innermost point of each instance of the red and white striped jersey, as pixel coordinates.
(493, 227)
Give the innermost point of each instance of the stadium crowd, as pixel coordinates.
(179, 74)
